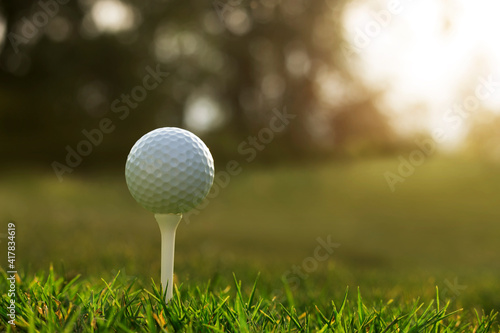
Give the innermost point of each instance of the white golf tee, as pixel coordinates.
(168, 225)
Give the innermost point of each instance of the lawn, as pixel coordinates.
(438, 229)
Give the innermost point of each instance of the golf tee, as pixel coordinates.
(168, 225)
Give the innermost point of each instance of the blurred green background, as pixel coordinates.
(391, 149)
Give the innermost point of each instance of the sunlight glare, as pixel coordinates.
(424, 56)
(3, 27)
(112, 16)
(203, 114)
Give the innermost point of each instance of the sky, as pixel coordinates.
(430, 57)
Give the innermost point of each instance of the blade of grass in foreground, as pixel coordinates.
(46, 302)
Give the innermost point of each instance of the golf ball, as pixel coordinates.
(169, 171)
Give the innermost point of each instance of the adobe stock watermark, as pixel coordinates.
(31, 26)
(249, 150)
(11, 308)
(373, 28)
(451, 291)
(297, 274)
(121, 108)
(455, 116)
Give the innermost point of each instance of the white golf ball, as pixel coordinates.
(169, 171)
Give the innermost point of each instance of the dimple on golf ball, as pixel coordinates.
(169, 171)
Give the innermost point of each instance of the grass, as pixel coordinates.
(439, 229)
(48, 303)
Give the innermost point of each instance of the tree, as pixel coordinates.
(250, 57)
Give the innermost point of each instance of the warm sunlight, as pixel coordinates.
(432, 59)
(2, 31)
(112, 16)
